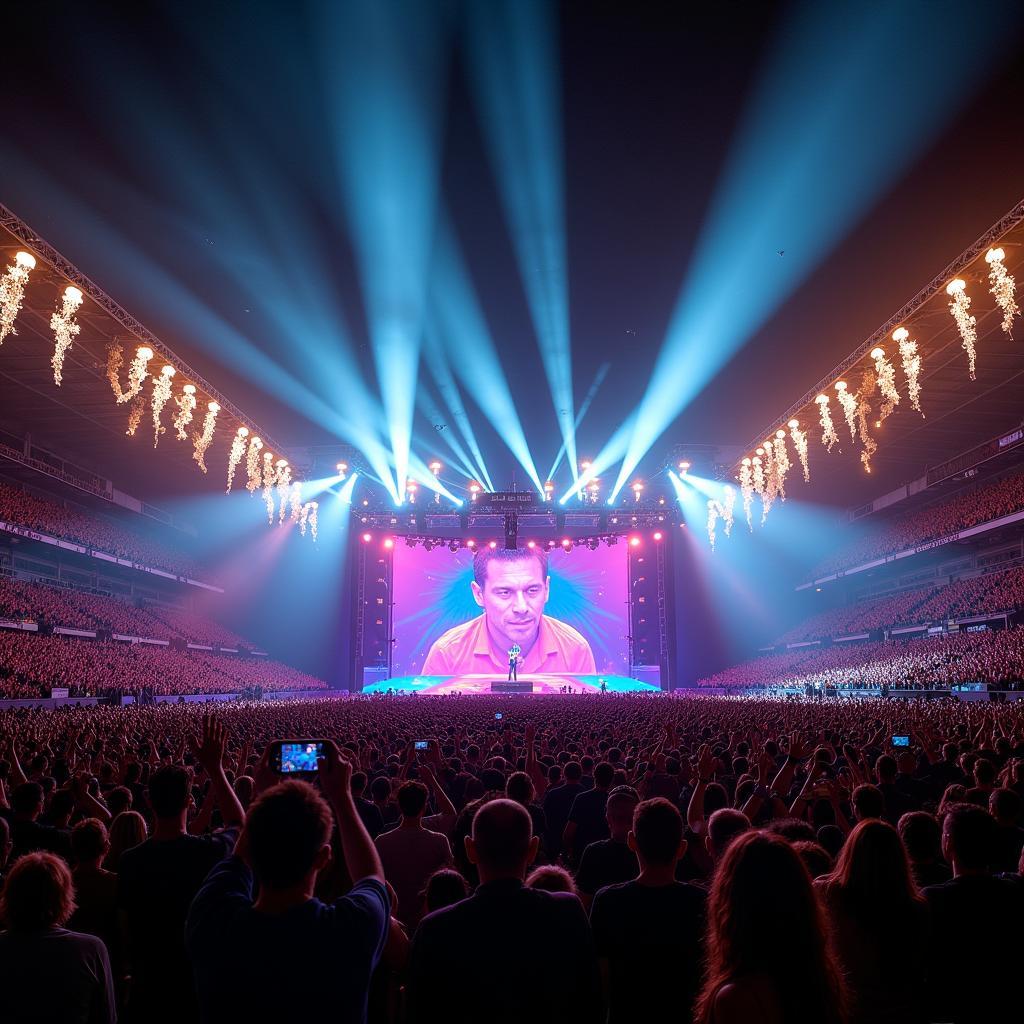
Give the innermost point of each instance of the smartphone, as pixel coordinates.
(901, 741)
(421, 745)
(497, 716)
(296, 757)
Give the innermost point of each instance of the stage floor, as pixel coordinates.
(481, 684)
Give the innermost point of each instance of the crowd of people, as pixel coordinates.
(56, 605)
(563, 858)
(979, 504)
(990, 593)
(134, 542)
(994, 657)
(31, 665)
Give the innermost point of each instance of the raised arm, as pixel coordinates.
(17, 775)
(441, 802)
(695, 810)
(357, 847)
(87, 803)
(210, 752)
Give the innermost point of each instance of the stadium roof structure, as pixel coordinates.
(959, 413)
(81, 419)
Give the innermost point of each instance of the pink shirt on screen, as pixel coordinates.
(466, 650)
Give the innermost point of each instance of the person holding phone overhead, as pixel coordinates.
(264, 957)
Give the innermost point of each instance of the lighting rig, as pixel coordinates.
(513, 519)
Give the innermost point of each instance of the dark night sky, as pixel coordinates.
(652, 94)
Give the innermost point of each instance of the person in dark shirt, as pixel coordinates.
(95, 889)
(922, 839)
(284, 951)
(369, 812)
(587, 822)
(1005, 807)
(879, 925)
(610, 861)
(27, 832)
(649, 932)
(480, 960)
(896, 800)
(557, 803)
(973, 905)
(48, 973)
(158, 879)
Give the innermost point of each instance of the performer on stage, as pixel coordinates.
(512, 588)
(513, 661)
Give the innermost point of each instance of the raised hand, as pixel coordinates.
(335, 773)
(209, 750)
(705, 762)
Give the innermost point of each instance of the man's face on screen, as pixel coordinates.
(513, 598)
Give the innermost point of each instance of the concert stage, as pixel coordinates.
(481, 684)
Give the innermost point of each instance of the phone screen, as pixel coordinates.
(300, 756)
(901, 741)
(422, 745)
(497, 716)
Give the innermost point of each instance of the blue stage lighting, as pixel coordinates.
(386, 76)
(591, 394)
(470, 350)
(438, 364)
(514, 62)
(823, 138)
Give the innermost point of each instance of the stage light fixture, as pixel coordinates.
(236, 453)
(657, 535)
(967, 325)
(1002, 288)
(12, 291)
(531, 544)
(849, 404)
(470, 543)
(566, 543)
(186, 403)
(65, 328)
(205, 439)
(492, 544)
(634, 542)
(137, 372)
(367, 537)
(389, 542)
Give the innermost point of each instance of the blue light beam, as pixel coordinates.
(826, 134)
(385, 68)
(514, 63)
(470, 350)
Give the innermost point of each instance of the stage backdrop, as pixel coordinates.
(589, 590)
